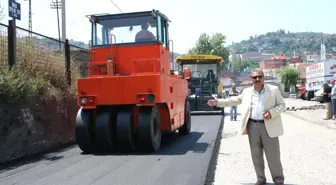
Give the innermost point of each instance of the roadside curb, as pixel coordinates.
(330, 125)
(210, 176)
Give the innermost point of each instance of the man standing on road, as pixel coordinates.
(261, 108)
(233, 111)
(333, 97)
(326, 98)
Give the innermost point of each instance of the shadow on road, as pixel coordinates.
(265, 184)
(172, 144)
(46, 156)
(211, 114)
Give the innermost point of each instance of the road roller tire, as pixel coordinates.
(105, 131)
(83, 130)
(125, 130)
(149, 129)
(185, 129)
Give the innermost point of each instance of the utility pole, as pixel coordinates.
(30, 18)
(57, 5)
(63, 21)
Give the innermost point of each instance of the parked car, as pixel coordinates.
(318, 96)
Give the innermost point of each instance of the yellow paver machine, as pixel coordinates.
(202, 73)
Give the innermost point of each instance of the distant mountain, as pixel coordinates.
(175, 55)
(286, 42)
(79, 44)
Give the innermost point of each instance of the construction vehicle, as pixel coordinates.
(202, 73)
(130, 96)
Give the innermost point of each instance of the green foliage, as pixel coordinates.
(15, 85)
(289, 76)
(241, 65)
(38, 72)
(211, 45)
(286, 42)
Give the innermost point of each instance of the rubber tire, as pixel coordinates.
(185, 129)
(149, 129)
(125, 130)
(105, 131)
(83, 130)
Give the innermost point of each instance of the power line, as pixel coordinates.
(131, 28)
(116, 6)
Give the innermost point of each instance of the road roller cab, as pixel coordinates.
(130, 97)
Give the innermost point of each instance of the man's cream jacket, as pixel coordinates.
(273, 102)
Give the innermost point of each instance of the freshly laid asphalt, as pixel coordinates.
(182, 160)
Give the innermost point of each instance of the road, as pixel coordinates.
(308, 153)
(314, 116)
(181, 161)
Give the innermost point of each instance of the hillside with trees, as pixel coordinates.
(286, 42)
(214, 44)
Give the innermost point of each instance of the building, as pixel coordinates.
(273, 66)
(255, 56)
(273, 63)
(295, 60)
(250, 56)
(229, 74)
(282, 56)
(313, 58)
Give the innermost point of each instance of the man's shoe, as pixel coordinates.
(260, 183)
(279, 183)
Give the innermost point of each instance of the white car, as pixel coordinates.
(318, 96)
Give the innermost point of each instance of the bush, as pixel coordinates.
(15, 85)
(38, 72)
(37, 106)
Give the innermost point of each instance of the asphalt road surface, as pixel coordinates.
(181, 161)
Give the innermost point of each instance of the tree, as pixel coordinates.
(241, 65)
(289, 77)
(211, 45)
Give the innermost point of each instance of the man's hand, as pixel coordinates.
(212, 102)
(267, 115)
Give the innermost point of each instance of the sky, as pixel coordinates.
(237, 19)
